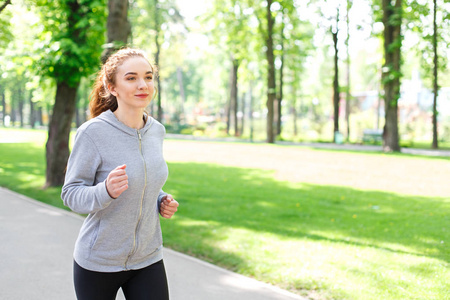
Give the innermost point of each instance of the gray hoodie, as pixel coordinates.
(123, 233)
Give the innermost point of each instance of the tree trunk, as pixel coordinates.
(348, 94)
(294, 109)
(158, 51)
(271, 86)
(435, 79)
(118, 27)
(336, 78)
(250, 110)
(2, 95)
(241, 129)
(228, 115)
(391, 77)
(13, 110)
(379, 100)
(182, 93)
(279, 112)
(13, 116)
(234, 95)
(20, 99)
(279, 100)
(32, 111)
(39, 116)
(57, 145)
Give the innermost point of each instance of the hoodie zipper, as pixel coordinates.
(142, 201)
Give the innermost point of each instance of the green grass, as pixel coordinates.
(345, 243)
(22, 165)
(326, 242)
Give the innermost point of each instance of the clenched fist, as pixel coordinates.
(117, 181)
(168, 206)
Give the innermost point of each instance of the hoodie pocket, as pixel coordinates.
(95, 234)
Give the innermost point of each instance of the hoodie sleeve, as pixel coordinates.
(160, 197)
(79, 192)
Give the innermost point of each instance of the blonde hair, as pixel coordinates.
(101, 98)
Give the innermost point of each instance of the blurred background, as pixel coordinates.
(322, 64)
(364, 220)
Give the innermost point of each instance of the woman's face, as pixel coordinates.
(134, 84)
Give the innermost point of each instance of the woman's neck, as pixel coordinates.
(133, 119)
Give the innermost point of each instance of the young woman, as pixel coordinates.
(115, 174)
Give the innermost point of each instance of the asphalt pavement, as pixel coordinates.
(36, 246)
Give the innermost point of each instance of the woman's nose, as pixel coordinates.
(142, 85)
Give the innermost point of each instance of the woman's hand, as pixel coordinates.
(168, 206)
(117, 181)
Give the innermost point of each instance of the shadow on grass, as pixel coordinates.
(252, 199)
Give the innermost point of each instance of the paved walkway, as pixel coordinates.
(36, 244)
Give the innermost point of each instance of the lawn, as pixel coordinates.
(324, 241)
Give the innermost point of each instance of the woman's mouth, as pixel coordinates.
(142, 96)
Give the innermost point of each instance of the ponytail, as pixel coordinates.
(101, 98)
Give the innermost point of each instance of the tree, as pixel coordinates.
(434, 39)
(335, 31)
(230, 20)
(72, 36)
(118, 27)
(296, 46)
(348, 89)
(279, 98)
(5, 32)
(5, 38)
(267, 33)
(16, 44)
(392, 21)
(233, 104)
(151, 20)
(434, 144)
(439, 39)
(331, 12)
(157, 54)
(287, 25)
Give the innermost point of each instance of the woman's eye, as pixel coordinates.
(149, 77)
(131, 78)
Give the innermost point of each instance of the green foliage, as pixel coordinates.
(31, 51)
(419, 16)
(232, 22)
(71, 38)
(6, 35)
(18, 79)
(148, 22)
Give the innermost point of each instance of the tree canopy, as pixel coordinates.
(262, 67)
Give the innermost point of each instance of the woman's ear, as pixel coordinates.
(112, 90)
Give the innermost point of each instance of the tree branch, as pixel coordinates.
(4, 5)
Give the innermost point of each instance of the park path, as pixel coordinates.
(405, 175)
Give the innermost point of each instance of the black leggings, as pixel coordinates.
(149, 283)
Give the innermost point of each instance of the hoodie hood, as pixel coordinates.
(109, 117)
